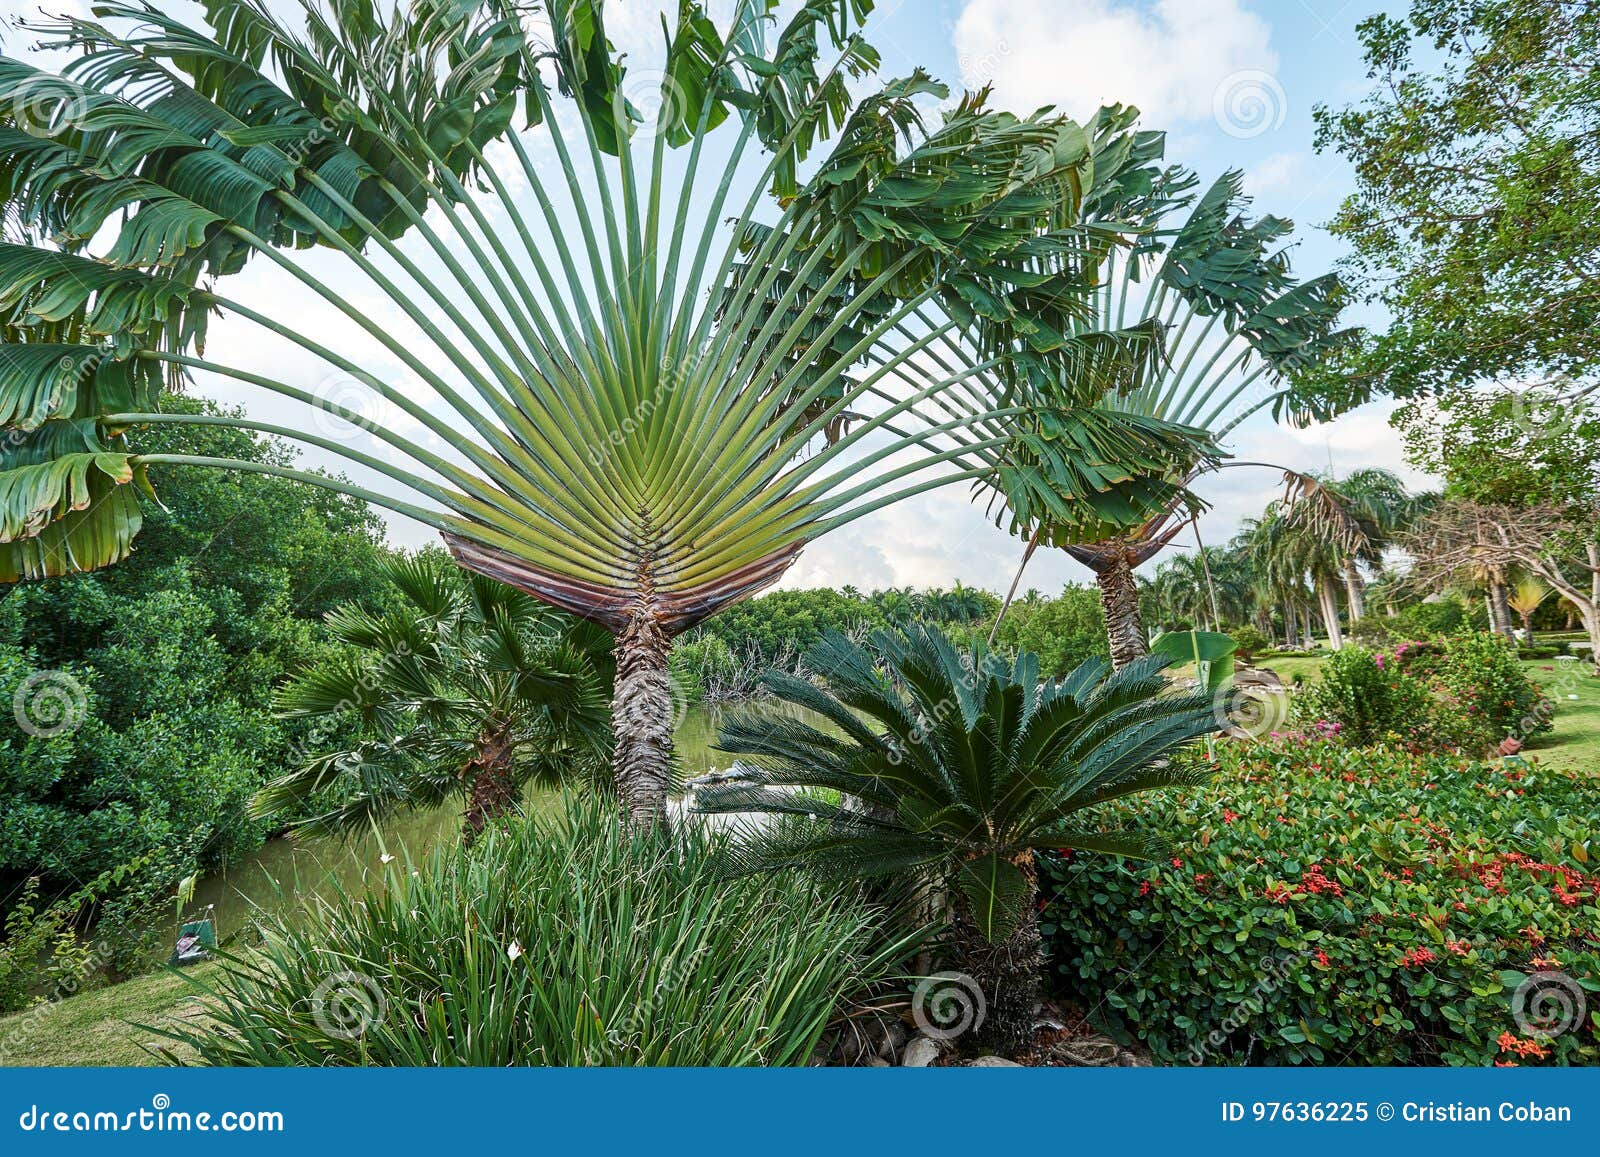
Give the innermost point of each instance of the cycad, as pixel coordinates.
(657, 385)
(470, 688)
(956, 765)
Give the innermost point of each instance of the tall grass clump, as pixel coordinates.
(567, 941)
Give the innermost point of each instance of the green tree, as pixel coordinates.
(1476, 215)
(957, 765)
(652, 384)
(468, 688)
(146, 722)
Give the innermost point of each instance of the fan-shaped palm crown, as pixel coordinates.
(636, 389)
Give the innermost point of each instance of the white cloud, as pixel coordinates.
(1169, 59)
(1280, 171)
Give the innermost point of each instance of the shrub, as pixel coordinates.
(551, 942)
(1366, 697)
(1340, 906)
(1251, 640)
(1477, 676)
(1428, 619)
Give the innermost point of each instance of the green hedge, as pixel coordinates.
(1333, 905)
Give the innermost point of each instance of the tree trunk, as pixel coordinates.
(1119, 598)
(491, 786)
(1499, 607)
(1352, 590)
(1527, 628)
(641, 717)
(1330, 613)
(1008, 973)
(1291, 632)
(1308, 628)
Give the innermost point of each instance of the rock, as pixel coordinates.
(920, 1053)
(993, 1063)
(894, 1039)
(1092, 1052)
(877, 1063)
(1256, 677)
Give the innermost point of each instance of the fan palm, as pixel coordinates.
(1527, 597)
(1238, 330)
(649, 383)
(956, 765)
(470, 688)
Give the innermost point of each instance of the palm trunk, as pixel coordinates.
(1352, 590)
(1499, 607)
(1291, 632)
(1008, 973)
(1330, 613)
(491, 786)
(1527, 628)
(641, 717)
(1119, 598)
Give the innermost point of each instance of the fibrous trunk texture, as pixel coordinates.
(1119, 598)
(1008, 974)
(1352, 590)
(642, 718)
(491, 784)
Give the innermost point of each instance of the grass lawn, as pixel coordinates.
(1575, 743)
(97, 1027)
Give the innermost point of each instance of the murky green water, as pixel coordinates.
(285, 871)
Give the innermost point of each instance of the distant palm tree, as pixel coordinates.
(955, 765)
(1527, 597)
(470, 688)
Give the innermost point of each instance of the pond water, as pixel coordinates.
(287, 871)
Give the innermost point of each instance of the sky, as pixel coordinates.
(1234, 83)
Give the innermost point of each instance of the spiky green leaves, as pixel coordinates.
(950, 762)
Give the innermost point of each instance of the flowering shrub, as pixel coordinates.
(1335, 905)
(1367, 695)
(1477, 674)
(1464, 693)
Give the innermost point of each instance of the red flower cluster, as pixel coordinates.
(1418, 958)
(1522, 1048)
(1316, 883)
